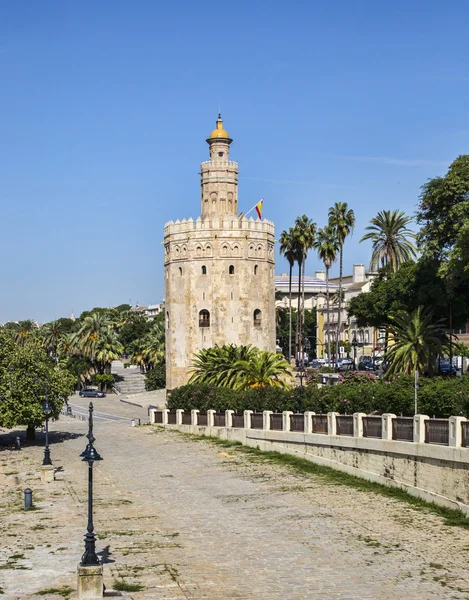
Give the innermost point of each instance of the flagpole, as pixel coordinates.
(251, 209)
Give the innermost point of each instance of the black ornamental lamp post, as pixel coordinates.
(354, 346)
(46, 409)
(90, 455)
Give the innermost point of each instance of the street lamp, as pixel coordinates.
(90, 455)
(354, 346)
(46, 409)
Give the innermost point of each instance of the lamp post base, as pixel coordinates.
(90, 582)
(47, 473)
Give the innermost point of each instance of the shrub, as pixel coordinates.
(356, 392)
(156, 378)
(103, 380)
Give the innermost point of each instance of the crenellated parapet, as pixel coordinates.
(228, 223)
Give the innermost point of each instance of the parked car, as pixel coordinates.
(91, 394)
(345, 364)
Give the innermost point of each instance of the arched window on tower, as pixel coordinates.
(255, 269)
(257, 317)
(167, 319)
(180, 270)
(204, 270)
(204, 318)
(231, 270)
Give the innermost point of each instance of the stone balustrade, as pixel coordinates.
(427, 457)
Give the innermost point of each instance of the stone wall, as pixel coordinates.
(433, 472)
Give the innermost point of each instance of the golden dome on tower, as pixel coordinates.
(219, 132)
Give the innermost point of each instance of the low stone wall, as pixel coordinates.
(437, 473)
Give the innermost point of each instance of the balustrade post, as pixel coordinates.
(164, 416)
(266, 420)
(229, 418)
(455, 431)
(419, 428)
(286, 420)
(308, 416)
(386, 425)
(153, 412)
(179, 413)
(358, 424)
(210, 418)
(332, 423)
(247, 419)
(194, 413)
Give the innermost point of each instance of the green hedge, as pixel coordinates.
(155, 379)
(438, 396)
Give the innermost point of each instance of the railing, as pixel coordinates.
(403, 429)
(172, 417)
(319, 424)
(437, 431)
(344, 424)
(158, 417)
(257, 322)
(297, 422)
(257, 421)
(465, 434)
(219, 420)
(202, 419)
(276, 421)
(372, 427)
(204, 322)
(186, 418)
(238, 421)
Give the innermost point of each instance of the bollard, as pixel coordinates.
(17, 443)
(28, 498)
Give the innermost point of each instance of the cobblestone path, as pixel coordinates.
(190, 519)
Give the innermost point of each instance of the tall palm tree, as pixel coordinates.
(51, 334)
(327, 246)
(287, 248)
(154, 345)
(417, 342)
(391, 237)
(94, 327)
(108, 348)
(304, 235)
(342, 219)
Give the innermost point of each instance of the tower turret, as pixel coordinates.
(219, 176)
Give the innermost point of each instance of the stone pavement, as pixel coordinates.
(189, 519)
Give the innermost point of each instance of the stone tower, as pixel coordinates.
(218, 271)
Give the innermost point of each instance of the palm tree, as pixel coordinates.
(238, 367)
(327, 246)
(417, 342)
(68, 345)
(391, 240)
(287, 248)
(215, 365)
(94, 327)
(108, 348)
(342, 219)
(265, 369)
(303, 240)
(51, 334)
(154, 345)
(25, 330)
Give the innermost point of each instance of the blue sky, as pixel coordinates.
(105, 108)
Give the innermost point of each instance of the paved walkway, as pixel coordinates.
(189, 519)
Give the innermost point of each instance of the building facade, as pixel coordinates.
(368, 339)
(218, 271)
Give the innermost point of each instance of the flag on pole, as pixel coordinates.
(259, 208)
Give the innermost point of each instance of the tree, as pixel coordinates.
(303, 240)
(287, 248)
(51, 334)
(390, 236)
(94, 327)
(27, 376)
(443, 210)
(342, 219)
(107, 349)
(327, 246)
(239, 367)
(417, 342)
(26, 330)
